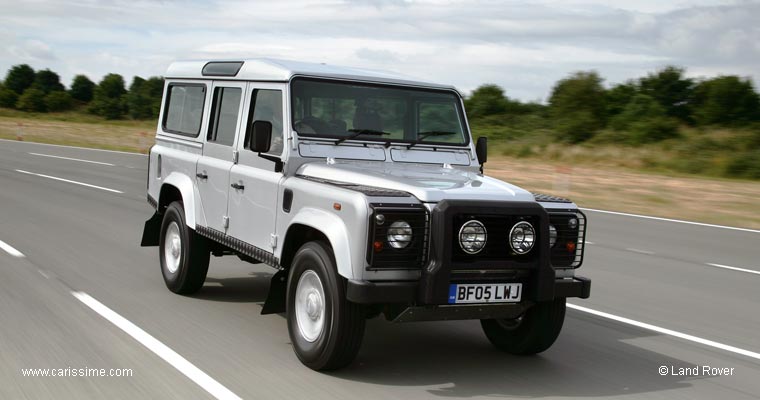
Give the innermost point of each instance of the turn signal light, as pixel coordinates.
(378, 246)
(570, 246)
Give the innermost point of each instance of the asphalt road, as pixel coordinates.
(58, 237)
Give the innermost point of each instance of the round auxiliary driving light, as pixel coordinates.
(522, 237)
(572, 223)
(552, 235)
(472, 237)
(399, 234)
(379, 219)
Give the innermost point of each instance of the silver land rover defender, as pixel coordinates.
(366, 194)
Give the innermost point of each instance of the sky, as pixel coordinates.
(522, 46)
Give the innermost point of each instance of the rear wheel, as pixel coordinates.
(325, 328)
(184, 254)
(534, 332)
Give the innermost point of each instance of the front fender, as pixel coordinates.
(190, 196)
(335, 230)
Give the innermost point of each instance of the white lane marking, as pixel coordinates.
(77, 147)
(647, 252)
(72, 159)
(750, 271)
(69, 181)
(10, 250)
(672, 220)
(208, 383)
(669, 332)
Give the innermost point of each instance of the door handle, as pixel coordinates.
(201, 175)
(238, 186)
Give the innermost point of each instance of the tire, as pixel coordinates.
(183, 253)
(328, 337)
(532, 333)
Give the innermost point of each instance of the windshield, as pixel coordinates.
(348, 110)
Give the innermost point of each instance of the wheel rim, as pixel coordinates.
(172, 247)
(310, 306)
(510, 324)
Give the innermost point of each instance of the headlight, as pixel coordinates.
(472, 237)
(399, 234)
(552, 235)
(522, 237)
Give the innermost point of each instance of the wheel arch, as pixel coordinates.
(314, 224)
(179, 187)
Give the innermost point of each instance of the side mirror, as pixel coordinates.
(261, 136)
(481, 150)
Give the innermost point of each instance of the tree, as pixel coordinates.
(671, 89)
(488, 99)
(8, 97)
(32, 100)
(144, 97)
(82, 88)
(108, 98)
(619, 96)
(19, 78)
(577, 105)
(726, 100)
(58, 101)
(47, 81)
(645, 121)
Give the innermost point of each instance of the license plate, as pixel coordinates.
(464, 293)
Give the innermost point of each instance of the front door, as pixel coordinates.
(253, 210)
(213, 169)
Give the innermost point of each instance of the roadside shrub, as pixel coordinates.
(58, 101)
(744, 165)
(578, 127)
(32, 100)
(653, 130)
(8, 98)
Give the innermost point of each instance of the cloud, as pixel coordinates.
(523, 46)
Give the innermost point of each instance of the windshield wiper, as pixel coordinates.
(421, 136)
(358, 132)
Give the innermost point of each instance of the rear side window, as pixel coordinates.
(184, 109)
(224, 115)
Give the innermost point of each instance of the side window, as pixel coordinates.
(224, 115)
(184, 109)
(266, 105)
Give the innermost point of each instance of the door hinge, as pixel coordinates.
(226, 222)
(273, 240)
(235, 155)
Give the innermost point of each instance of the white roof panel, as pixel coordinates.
(267, 69)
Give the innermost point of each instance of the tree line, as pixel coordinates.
(42, 91)
(644, 110)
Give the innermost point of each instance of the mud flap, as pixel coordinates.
(278, 288)
(152, 231)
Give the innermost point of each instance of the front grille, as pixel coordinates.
(567, 252)
(414, 255)
(497, 244)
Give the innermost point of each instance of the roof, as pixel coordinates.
(267, 69)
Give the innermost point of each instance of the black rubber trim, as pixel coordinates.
(576, 287)
(364, 292)
(153, 203)
(287, 200)
(367, 190)
(546, 198)
(240, 246)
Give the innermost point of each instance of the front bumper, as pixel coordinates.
(406, 292)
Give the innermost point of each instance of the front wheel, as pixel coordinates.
(534, 332)
(184, 254)
(325, 328)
